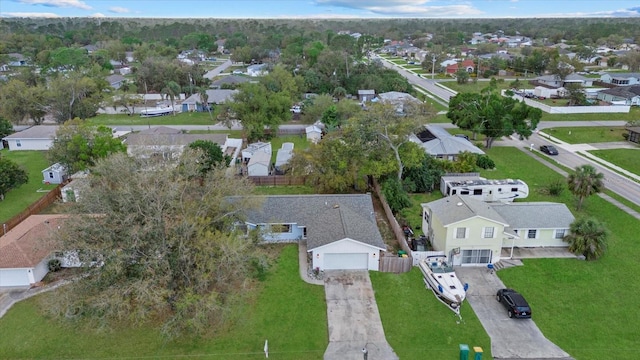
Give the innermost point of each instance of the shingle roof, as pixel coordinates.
(626, 92)
(173, 139)
(624, 75)
(35, 132)
(535, 215)
(328, 218)
(452, 209)
(230, 79)
(26, 245)
(443, 143)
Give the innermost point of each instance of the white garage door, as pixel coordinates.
(346, 261)
(14, 277)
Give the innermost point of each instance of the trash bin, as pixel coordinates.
(464, 352)
(478, 351)
(401, 253)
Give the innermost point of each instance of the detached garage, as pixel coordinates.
(25, 251)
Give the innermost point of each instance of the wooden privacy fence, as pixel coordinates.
(397, 230)
(35, 208)
(395, 264)
(277, 180)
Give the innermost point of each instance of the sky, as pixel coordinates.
(306, 9)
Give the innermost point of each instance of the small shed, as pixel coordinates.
(283, 156)
(366, 95)
(54, 174)
(259, 164)
(314, 133)
(254, 148)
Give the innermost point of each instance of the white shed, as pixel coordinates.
(54, 174)
(314, 133)
(24, 251)
(259, 164)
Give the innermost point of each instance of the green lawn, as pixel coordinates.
(628, 159)
(417, 326)
(187, 118)
(17, 200)
(288, 312)
(578, 305)
(587, 135)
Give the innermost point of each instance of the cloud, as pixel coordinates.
(97, 15)
(58, 3)
(119, 10)
(410, 8)
(30, 15)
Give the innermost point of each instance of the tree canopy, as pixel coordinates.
(493, 115)
(11, 176)
(585, 181)
(587, 237)
(159, 246)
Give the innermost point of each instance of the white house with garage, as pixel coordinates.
(340, 230)
(473, 232)
(25, 251)
(39, 137)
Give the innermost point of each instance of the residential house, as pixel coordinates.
(634, 134)
(283, 156)
(473, 232)
(314, 133)
(214, 97)
(468, 65)
(257, 70)
(116, 81)
(621, 95)
(168, 143)
(340, 230)
(621, 79)
(90, 48)
(397, 99)
(437, 142)
(54, 174)
(25, 251)
(255, 148)
(39, 137)
(16, 59)
(555, 81)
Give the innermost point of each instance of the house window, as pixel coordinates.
(281, 228)
(488, 232)
(477, 191)
(461, 233)
(531, 234)
(453, 192)
(304, 232)
(50, 175)
(464, 192)
(18, 143)
(560, 233)
(426, 216)
(514, 189)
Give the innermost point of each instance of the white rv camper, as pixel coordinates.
(483, 189)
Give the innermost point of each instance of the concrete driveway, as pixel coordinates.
(510, 338)
(353, 319)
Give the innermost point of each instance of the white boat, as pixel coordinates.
(157, 111)
(442, 280)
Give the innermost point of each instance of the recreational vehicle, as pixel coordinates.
(483, 189)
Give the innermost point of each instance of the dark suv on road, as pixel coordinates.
(515, 304)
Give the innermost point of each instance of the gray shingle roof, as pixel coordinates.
(173, 139)
(230, 79)
(535, 215)
(444, 143)
(328, 218)
(455, 208)
(35, 132)
(627, 92)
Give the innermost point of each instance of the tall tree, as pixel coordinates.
(209, 155)
(587, 237)
(75, 95)
(493, 115)
(172, 90)
(585, 181)
(11, 176)
(79, 145)
(6, 128)
(167, 248)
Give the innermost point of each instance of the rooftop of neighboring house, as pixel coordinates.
(35, 132)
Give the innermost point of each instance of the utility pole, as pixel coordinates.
(433, 66)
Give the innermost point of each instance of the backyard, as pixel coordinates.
(16, 200)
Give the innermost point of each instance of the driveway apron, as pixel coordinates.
(353, 318)
(510, 338)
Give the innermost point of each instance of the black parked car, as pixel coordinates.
(515, 304)
(549, 149)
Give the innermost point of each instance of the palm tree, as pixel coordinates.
(172, 89)
(204, 98)
(588, 237)
(585, 181)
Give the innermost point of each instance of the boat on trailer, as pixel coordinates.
(443, 281)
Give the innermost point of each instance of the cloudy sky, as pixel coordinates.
(320, 8)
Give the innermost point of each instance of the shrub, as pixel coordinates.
(485, 162)
(556, 187)
(54, 265)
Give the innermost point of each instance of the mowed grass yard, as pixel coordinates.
(288, 312)
(16, 200)
(628, 159)
(587, 134)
